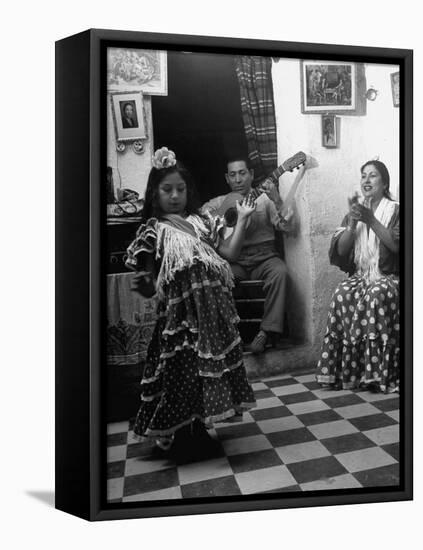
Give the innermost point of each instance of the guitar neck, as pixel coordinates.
(291, 193)
(293, 162)
(276, 174)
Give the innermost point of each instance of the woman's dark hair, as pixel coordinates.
(384, 174)
(151, 207)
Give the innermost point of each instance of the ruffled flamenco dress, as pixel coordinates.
(194, 367)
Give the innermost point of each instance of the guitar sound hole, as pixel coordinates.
(231, 216)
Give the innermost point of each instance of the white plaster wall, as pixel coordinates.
(130, 170)
(322, 195)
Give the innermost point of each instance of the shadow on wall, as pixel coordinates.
(312, 279)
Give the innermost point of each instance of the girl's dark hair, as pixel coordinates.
(151, 207)
(384, 174)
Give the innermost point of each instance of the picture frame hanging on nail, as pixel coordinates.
(137, 70)
(395, 84)
(128, 116)
(332, 87)
(330, 125)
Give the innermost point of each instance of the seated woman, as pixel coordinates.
(361, 344)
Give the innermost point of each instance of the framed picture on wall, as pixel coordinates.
(128, 116)
(330, 87)
(211, 373)
(395, 83)
(329, 131)
(137, 70)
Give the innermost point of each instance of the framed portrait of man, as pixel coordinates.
(128, 116)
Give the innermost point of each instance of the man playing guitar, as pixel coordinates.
(259, 258)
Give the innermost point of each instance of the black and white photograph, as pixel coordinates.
(253, 300)
(329, 131)
(128, 116)
(395, 82)
(328, 86)
(133, 69)
(211, 324)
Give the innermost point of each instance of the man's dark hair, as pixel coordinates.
(238, 158)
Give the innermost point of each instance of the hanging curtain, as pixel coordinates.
(258, 112)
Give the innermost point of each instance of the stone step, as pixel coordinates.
(295, 358)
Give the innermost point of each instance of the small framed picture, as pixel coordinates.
(395, 84)
(136, 70)
(128, 116)
(329, 131)
(328, 86)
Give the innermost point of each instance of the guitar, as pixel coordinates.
(228, 207)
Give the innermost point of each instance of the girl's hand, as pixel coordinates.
(246, 208)
(271, 191)
(143, 283)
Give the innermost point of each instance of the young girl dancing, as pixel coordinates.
(194, 373)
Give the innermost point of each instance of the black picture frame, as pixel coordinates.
(80, 267)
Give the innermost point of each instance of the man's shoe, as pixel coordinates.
(259, 342)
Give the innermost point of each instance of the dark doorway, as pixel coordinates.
(200, 118)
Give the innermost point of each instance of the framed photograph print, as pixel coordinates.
(395, 83)
(234, 277)
(329, 131)
(137, 70)
(330, 87)
(129, 116)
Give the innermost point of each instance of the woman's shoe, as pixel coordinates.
(183, 447)
(207, 446)
(332, 386)
(193, 443)
(159, 453)
(373, 387)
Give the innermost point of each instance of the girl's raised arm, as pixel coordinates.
(231, 247)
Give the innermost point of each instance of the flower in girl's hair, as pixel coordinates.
(163, 158)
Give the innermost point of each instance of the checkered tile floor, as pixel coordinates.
(299, 438)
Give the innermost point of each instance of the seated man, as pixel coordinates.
(259, 258)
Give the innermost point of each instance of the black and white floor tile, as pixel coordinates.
(299, 438)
